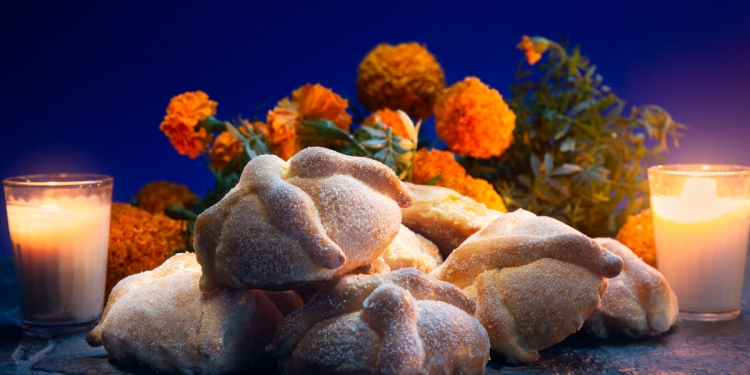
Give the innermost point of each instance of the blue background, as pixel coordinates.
(84, 85)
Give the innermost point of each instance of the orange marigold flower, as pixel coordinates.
(225, 148)
(476, 188)
(389, 118)
(533, 48)
(282, 121)
(316, 101)
(154, 197)
(527, 47)
(428, 164)
(308, 102)
(638, 234)
(474, 120)
(180, 123)
(282, 129)
(406, 77)
(140, 241)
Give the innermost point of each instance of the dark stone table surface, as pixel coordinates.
(687, 348)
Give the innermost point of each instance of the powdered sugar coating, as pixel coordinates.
(519, 238)
(447, 334)
(290, 224)
(535, 281)
(161, 318)
(354, 351)
(402, 322)
(637, 303)
(444, 216)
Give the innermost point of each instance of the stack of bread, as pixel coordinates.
(328, 264)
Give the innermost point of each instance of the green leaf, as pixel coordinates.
(524, 180)
(434, 180)
(380, 155)
(373, 132)
(549, 165)
(590, 72)
(250, 152)
(555, 184)
(568, 144)
(235, 132)
(615, 113)
(390, 161)
(376, 144)
(566, 169)
(320, 131)
(535, 165)
(578, 108)
(179, 213)
(563, 131)
(395, 143)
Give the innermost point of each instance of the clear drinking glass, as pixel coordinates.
(701, 222)
(59, 229)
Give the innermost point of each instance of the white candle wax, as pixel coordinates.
(60, 246)
(701, 241)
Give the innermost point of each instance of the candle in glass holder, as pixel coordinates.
(59, 229)
(701, 219)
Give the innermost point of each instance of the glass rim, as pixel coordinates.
(697, 170)
(52, 180)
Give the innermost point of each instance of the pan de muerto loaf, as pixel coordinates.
(162, 319)
(535, 281)
(637, 303)
(301, 222)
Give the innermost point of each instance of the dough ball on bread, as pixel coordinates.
(401, 322)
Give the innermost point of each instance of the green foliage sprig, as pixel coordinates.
(375, 141)
(576, 156)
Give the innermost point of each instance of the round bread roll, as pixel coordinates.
(161, 318)
(401, 322)
(535, 280)
(291, 224)
(637, 303)
(444, 216)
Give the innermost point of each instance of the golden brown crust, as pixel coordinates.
(637, 303)
(534, 306)
(402, 322)
(161, 318)
(292, 224)
(535, 281)
(409, 249)
(444, 216)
